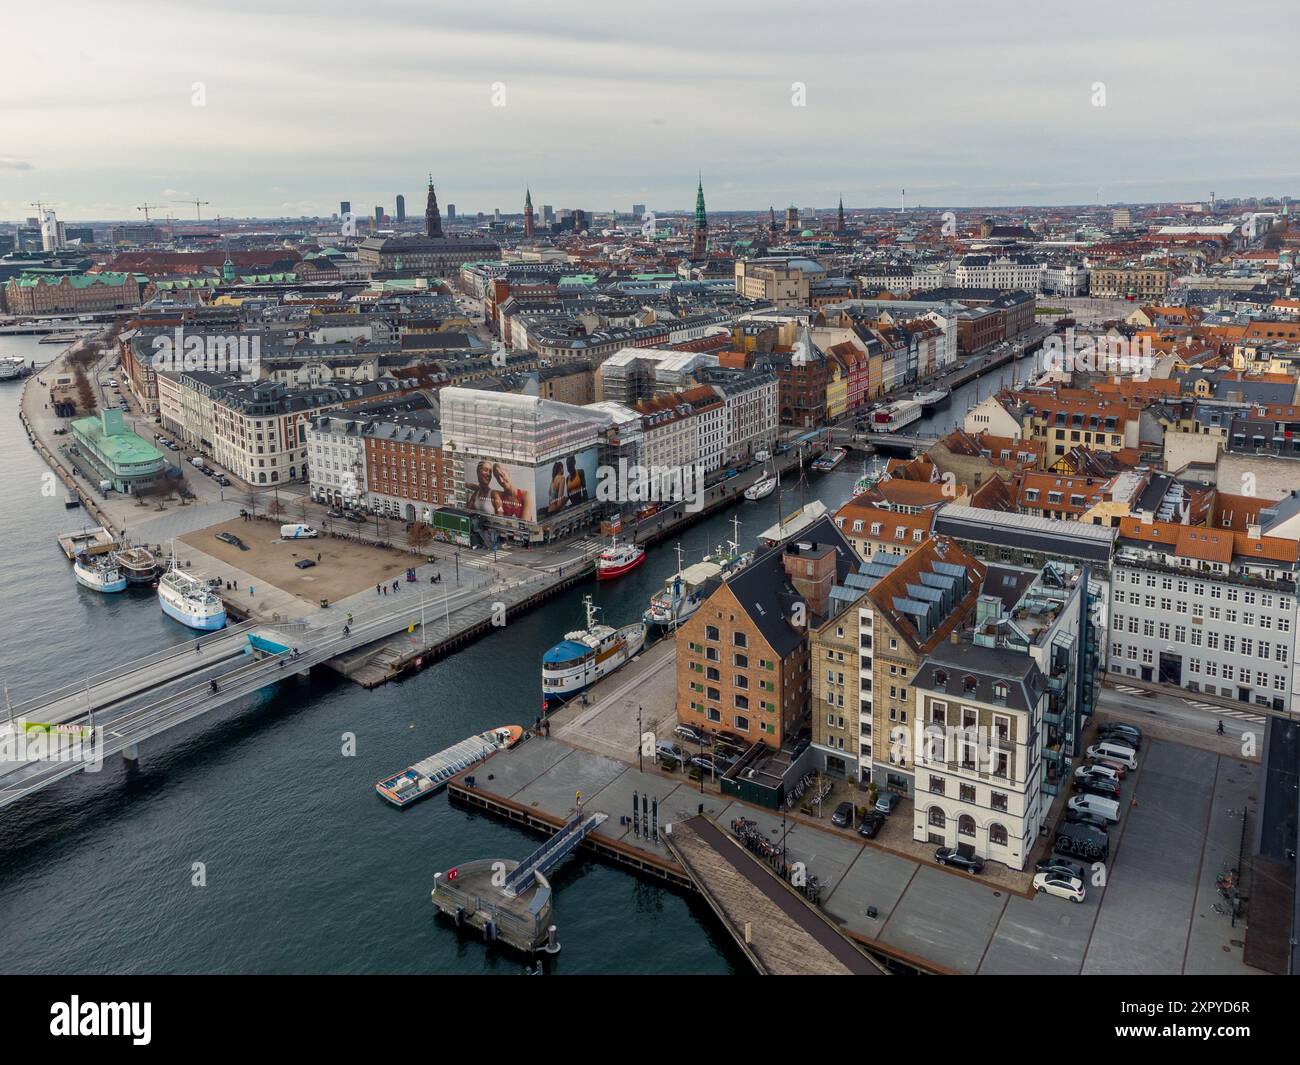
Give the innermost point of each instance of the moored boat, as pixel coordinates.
(584, 656)
(894, 416)
(829, 461)
(431, 774)
(763, 487)
(99, 574)
(618, 559)
(936, 397)
(793, 524)
(188, 600)
(139, 565)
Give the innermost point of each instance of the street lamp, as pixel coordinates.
(640, 763)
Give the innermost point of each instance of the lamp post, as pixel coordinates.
(640, 763)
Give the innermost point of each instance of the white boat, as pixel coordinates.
(12, 368)
(763, 487)
(99, 574)
(188, 600)
(829, 461)
(894, 416)
(684, 591)
(586, 655)
(936, 397)
(793, 524)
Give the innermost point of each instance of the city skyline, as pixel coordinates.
(963, 110)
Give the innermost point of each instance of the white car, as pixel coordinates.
(1065, 887)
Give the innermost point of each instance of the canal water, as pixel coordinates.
(249, 842)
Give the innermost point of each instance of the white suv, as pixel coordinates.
(1065, 887)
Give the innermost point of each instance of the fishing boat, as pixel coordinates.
(190, 601)
(99, 574)
(139, 565)
(686, 589)
(793, 524)
(618, 559)
(728, 556)
(584, 656)
(431, 774)
(829, 461)
(936, 397)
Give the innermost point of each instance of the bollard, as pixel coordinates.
(552, 944)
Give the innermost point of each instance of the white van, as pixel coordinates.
(297, 532)
(1107, 809)
(1115, 752)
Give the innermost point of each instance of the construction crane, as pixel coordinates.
(198, 207)
(146, 208)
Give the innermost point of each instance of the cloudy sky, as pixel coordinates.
(265, 107)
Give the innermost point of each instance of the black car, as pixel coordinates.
(949, 856)
(1094, 785)
(305, 563)
(843, 815)
(739, 742)
(1060, 867)
(1128, 734)
(233, 540)
(871, 825)
(1075, 817)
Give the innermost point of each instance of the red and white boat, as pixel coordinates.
(618, 559)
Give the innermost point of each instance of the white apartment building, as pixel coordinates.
(1065, 279)
(751, 414)
(1000, 272)
(337, 460)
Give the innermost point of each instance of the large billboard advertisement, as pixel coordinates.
(528, 493)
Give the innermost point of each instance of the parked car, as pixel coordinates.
(1117, 768)
(1082, 841)
(843, 815)
(222, 480)
(1130, 734)
(691, 734)
(1114, 752)
(1100, 772)
(670, 752)
(1091, 785)
(1060, 867)
(706, 764)
(1079, 817)
(887, 803)
(305, 563)
(1105, 808)
(951, 856)
(739, 742)
(1060, 886)
(871, 825)
(233, 540)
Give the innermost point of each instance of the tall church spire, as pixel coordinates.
(839, 220)
(700, 245)
(528, 212)
(432, 219)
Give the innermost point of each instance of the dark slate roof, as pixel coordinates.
(1025, 682)
(1068, 539)
(765, 593)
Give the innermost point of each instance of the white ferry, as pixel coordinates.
(99, 574)
(586, 655)
(12, 368)
(188, 600)
(894, 416)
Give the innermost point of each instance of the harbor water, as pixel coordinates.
(253, 840)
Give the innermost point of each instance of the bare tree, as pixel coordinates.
(300, 509)
(275, 508)
(419, 537)
(252, 499)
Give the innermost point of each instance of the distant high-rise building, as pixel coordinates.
(451, 213)
(345, 207)
(496, 214)
(379, 215)
(1121, 218)
(638, 211)
(432, 220)
(528, 212)
(548, 214)
(579, 220)
(401, 208)
(792, 219)
(52, 234)
(700, 243)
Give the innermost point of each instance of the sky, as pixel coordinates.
(268, 108)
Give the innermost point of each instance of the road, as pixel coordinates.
(1186, 719)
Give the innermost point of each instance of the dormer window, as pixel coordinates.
(968, 683)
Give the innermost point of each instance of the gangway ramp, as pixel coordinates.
(780, 932)
(553, 851)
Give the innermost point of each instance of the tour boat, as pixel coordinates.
(894, 416)
(793, 524)
(99, 574)
(618, 559)
(12, 368)
(431, 774)
(934, 398)
(188, 600)
(828, 462)
(584, 656)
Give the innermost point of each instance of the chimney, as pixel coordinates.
(1253, 531)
